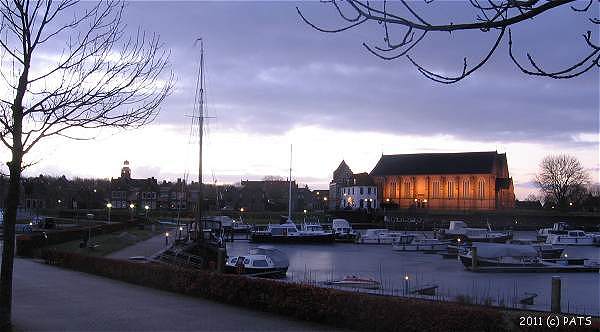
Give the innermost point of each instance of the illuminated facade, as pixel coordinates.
(445, 181)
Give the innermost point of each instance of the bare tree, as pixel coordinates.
(493, 17)
(562, 180)
(66, 66)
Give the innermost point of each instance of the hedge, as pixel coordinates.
(27, 243)
(329, 306)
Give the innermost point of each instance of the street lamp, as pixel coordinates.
(131, 207)
(109, 206)
(167, 239)
(146, 207)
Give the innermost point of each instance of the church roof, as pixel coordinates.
(436, 163)
(342, 166)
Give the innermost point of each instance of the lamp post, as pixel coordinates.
(146, 207)
(304, 215)
(166, 239)
(109, 206)
(131, 207)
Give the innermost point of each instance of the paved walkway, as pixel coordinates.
(144, 248)
(48, 298)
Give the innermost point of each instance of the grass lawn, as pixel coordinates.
(109, 242)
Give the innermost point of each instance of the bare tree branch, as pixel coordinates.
(102, 77)
(490, 15)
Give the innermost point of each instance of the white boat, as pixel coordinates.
(342, 230)
(260, 261)
(313, 229)
(288, 232)
(240, 227)
(414, 242)
(557, 228)
(459, 230)
(378, 236)
(495, 257)
(355, 282)
(572, 238)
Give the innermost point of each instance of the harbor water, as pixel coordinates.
(318, 263)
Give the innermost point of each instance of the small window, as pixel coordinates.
(369, 190)
(450, 189)
(361, 190)
(466, 188)
(260, 263)
(481, 189)
(436, 189)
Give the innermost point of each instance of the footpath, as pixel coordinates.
(48, 298)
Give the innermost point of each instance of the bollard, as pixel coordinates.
(555, 302)
(221, 260)
(474, 259)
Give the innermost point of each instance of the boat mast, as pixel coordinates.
(200, 103)
(290, 188)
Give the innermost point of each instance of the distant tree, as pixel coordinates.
(562, 180)
(532, 198)
(66, 67)
(412, 24)
(273, 178)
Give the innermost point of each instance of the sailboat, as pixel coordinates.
(288, 231)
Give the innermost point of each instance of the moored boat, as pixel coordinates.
(342, 231)
(520, 258)
(459, 230)
(378, 236)
(260, 261)
(413, 242)
(572, 238)
(288, 232)
(557, 228)
(355, 282)
(546, 251)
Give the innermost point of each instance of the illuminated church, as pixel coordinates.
(445, 181)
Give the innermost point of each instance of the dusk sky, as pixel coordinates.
(273, 81)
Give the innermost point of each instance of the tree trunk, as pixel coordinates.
(8, 252)
(10, 212)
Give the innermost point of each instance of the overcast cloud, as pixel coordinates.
(268, 73)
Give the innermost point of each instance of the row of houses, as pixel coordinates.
(139, 194)
(445, 181)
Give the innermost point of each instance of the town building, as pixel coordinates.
(361, 193)
(319, 200)
(342, 177)
(445, 181)
(140, 192)
(173, 195)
